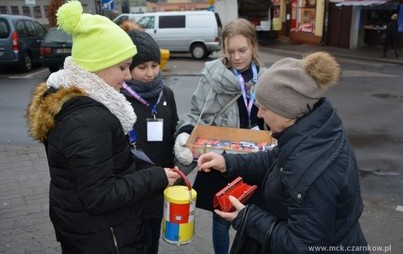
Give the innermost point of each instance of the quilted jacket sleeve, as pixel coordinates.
(103, 169)
(252, 167)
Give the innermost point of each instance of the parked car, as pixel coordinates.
(55, 47)
(20, 41)
(197, 32)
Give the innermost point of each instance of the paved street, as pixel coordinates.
(25, 226)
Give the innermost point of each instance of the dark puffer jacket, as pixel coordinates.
(311, 188)
(96, 188)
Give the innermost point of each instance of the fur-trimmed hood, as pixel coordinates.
(45, 106)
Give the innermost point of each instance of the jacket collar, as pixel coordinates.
(224, 80)
(74, 76)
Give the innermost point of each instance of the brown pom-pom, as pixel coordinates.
(323, 68)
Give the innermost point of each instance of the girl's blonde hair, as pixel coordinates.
(245, 28)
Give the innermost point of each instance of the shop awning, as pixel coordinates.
(358, 2)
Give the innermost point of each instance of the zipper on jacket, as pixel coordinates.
(320, 161)
(115, 241)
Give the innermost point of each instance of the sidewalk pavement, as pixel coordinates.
(369, 53)
(25, 226)
(24, 179)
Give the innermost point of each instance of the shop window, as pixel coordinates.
(293, 19)
(37, 12)
(276, 15)
(258, 13)
(14, 10)
(306, 16)
(3, 10)
(46, 9)
(26, 11)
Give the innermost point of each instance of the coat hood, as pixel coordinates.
(224, 80)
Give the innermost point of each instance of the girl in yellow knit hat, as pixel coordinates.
(96, 188)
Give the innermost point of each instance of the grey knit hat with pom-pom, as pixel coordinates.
(290, 87)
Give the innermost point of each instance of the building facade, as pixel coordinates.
(339, 23)
(38, 9)
(177, 5)
(355, 24)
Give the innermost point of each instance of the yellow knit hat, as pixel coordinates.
(98, 43)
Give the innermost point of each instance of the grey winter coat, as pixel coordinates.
(217, 87)
(215, 101)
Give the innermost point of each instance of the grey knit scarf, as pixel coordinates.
(97, 89)
(146, 90)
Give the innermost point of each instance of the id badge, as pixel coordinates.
(155, 129)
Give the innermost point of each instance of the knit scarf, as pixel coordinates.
(146, 90)
(97, 89)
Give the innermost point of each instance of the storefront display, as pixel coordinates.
(306, 16)
(375, 20)
(276, 15)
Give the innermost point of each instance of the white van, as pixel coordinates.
(197, 32)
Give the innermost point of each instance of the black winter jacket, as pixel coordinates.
(392, 30)
(311, 188)
(96, 188)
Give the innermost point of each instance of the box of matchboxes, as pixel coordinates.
(205, 138)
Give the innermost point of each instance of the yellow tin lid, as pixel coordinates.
(179, 194)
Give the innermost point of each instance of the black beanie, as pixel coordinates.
(147, 48)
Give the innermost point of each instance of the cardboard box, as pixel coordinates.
(220, 139)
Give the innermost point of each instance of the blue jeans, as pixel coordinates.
(220, 234)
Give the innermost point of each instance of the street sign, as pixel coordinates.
(30, 2)
(108, 4)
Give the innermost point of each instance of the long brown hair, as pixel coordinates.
(245, 28)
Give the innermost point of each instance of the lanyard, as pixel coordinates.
(251, 95)
(138, 97)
